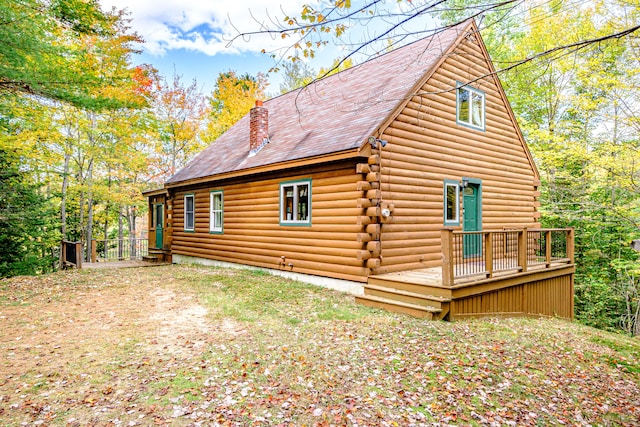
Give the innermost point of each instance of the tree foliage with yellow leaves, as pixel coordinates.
(231, 99)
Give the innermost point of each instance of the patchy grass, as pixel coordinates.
(190, 345)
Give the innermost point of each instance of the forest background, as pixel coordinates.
(83, 131)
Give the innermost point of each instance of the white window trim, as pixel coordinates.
(213, 228)
(294, 214)
(193, 226)
(456, 220)
(469, 122)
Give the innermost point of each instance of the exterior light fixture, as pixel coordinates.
(464, 183)
(374, 142)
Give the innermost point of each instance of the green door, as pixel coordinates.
(472, 220)
(159, 220)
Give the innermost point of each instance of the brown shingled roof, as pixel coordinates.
(332, 115)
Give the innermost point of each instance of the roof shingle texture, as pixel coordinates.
(335, 114)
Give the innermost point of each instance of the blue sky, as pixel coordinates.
(193, 37)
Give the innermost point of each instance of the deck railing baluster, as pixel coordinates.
(119, 249)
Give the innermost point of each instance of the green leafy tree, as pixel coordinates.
(27, 222)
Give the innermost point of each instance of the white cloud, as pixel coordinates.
(205, 26)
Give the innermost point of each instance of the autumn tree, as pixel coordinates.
(64, 73)
(179, 113)
(231, 99)
(44, 52)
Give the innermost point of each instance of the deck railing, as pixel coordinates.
(119, 249)
(484, 254)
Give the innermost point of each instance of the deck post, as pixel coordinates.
(79, 253)
(447, 256)
(547, 247)
(488, 256)
(94, 250)
(522, 249)
(571, 244)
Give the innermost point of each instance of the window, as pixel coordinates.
(295, 203)
(216, 212)
(189, 212)
(451, 203)
(470, 107)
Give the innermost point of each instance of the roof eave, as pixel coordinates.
(308, 161)
(155, 192)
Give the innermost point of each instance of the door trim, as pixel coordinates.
(155, 218)
(478, 244)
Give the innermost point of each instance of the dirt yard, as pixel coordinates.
(60, 335)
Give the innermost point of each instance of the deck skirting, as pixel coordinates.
(547, 292)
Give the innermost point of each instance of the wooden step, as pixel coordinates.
(417, 288)
(398, 306)
(152, 258)
(406, 296)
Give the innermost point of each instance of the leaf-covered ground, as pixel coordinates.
(186, 345)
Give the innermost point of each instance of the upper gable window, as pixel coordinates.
(295, 203)
(470, 107)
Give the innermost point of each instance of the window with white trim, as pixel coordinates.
(451, 203)
(189, 212)
(470, 107)
(216, 212)
(295, 203)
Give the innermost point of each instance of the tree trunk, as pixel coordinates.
(120, 233)
(131, 219)
(106, 216)
(63, 199)
(89, 230)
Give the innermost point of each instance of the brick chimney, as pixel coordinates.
(259, 127)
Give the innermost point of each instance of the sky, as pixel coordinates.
(197, 39)
(193, 38)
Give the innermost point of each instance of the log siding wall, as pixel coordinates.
(427, 146)
(253, 234)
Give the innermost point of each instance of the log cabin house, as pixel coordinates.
(405, 178)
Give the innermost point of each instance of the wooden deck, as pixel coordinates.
(542, 290)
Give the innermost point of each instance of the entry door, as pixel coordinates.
(472, 220)
(159, 220)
